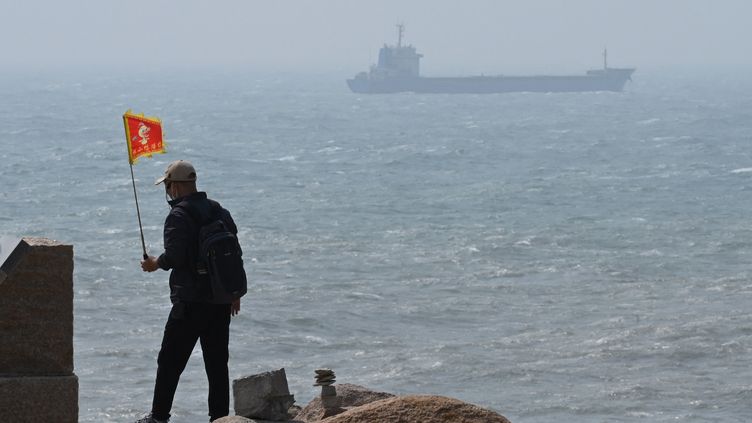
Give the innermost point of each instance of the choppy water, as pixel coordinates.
(566, 257)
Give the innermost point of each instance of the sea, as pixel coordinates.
(553, 257)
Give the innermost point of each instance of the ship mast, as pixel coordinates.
(400, 31)
(605, 59)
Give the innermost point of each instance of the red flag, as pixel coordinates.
(144, 136)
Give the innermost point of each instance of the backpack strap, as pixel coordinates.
(200, 219)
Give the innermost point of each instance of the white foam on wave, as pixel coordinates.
(316, 340)
(329, 150)
(651, 253)
(365, 295)
(16, 131)
(742, 170)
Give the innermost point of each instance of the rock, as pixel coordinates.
(240, 419)
(264, 396)
(294, 410)
(416, 408)
(324, 377)
(328, 391)
(329, 402)
(233, 419)
(348, 395)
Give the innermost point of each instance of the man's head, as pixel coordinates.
(179, 179)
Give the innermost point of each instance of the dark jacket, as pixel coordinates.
(181, 245)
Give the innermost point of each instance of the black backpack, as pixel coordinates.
(220, 258)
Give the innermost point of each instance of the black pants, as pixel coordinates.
(189, 322)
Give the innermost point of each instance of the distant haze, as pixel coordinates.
(465, 37)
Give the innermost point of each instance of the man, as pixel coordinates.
(193, 315)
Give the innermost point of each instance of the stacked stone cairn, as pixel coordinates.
(325, 378)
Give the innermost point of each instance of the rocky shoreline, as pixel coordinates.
(355, 404)
(37, 382)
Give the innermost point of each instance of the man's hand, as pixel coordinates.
(235, 307)
(149, 264)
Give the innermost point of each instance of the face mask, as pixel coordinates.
(168, 196)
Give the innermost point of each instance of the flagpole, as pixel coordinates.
(156, 146)
(138, 213)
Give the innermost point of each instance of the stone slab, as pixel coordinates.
(328, 391)
(263, 396)
(34, 399)
(36, 311)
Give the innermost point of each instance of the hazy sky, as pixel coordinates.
(468, 37)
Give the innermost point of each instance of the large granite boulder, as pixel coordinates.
(233, 419)
(349, 395)
(418, 409)
(241, 419)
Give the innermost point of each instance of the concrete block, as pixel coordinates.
(36, 309)
(34, 399)
(264, 396)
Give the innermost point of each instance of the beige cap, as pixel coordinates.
(178, 171)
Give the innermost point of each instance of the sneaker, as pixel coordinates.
(150, 419)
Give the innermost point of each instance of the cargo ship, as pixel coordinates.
(398, 70)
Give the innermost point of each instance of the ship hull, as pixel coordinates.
(603, 80)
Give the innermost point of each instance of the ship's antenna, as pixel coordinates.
(605, 58)
(400, 31)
